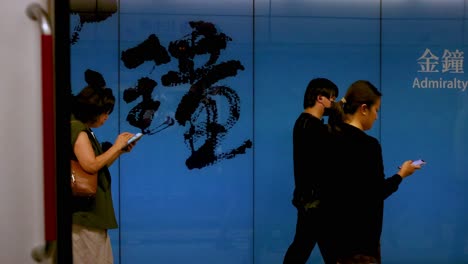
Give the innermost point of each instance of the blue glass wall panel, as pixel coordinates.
(295, 42)
(175, 210)
(424, 116)
(94, 46)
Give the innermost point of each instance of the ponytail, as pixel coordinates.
(360, 92)
(336, 115)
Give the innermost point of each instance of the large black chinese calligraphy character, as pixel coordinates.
(198, 108)
(142, 114)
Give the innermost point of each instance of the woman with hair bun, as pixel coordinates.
(92, 217)
(356, 196)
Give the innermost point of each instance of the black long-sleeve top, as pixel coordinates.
(310, 137)
(358, 189)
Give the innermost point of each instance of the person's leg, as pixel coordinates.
(371, 257)
(359, 259)
(327, 240)
(327, 250)
(304, 240)
(90, 246)
(105, 256)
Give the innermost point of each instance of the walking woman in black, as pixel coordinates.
(358, 187)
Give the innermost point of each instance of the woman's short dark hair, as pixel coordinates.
(319, 86)
(92, 102)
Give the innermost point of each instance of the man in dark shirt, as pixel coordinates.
(310, 138)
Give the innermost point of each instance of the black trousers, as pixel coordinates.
(311, 229)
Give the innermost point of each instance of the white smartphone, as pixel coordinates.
(418, 162)
(136, 137)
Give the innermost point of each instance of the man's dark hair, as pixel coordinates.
(319, 86)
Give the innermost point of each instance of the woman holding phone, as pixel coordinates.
(358, 185)
(92, 217)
